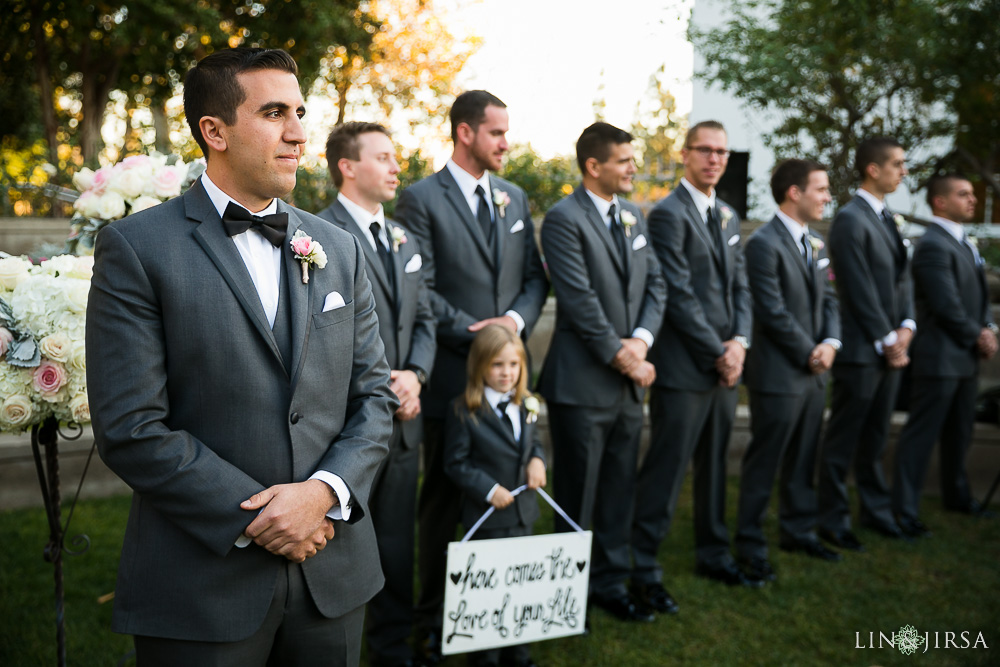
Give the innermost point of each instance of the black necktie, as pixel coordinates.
(504, 417)
(715, 229)
(483, 215)
(618, 234)
(237, 220)
(383, 253)
(806, 250)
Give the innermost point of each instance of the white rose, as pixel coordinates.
(57, 347)
(168, 179)
(78, 360)
(77, 292)
(79, 405)
(111, 206)
(83, 179)
(143, 202)
(88, 204)
(131, 183)
(16, 410)
(13, 272)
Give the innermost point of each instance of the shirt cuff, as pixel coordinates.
(909, 324)
(886, 340)
(242, 542)
(489, 496)
(644, 335)
(518, 320)
(342, 510)
(833, 342)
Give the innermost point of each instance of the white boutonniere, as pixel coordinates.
(398, 238)
(899, 220)
(725, 215)
(973, 241)
(628, 221)
(816, 244)
(532, 406)
(308, 252)
(501, 200)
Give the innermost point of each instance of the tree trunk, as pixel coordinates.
(45, 87)
(99, 77)
(160, 126)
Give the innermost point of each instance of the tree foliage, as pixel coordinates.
(837, 71)
(659, 130)
(544, 181)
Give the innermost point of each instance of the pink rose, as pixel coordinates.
(49, 377)
(134, 161)
(302, 245)
(5, 339)
(101, 179)
(167, 182)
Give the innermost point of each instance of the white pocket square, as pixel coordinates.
(639, 242)
(413, 265)
(823, 263)
(333, 301)
(517, 227)
(734, 239)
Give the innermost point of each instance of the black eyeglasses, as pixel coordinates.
(705, 151)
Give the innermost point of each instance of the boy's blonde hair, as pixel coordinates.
(486, 346)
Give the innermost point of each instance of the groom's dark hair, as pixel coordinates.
(470, 108)
(874, 150)
(792, 172)
(212, 89)
(343, 142)
(596, 142)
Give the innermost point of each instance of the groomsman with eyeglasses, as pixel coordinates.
(956, 330)
(699, 360)
(870, 263)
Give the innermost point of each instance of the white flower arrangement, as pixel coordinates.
(628, 222)
(114, 191)
(43, 367)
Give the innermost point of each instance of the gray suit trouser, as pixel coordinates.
(786, 430)
(863, 400)
(939, 408)
(686, 425)
(293, 633)
(595, 452)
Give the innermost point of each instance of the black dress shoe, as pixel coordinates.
(890, 531)
(973, 508)
(656, 597)
(728, 574)
(625, 608)
(913, 527)
(811, 548)
(842, 539)
(758, 569)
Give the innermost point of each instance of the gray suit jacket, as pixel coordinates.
(794, 308)
(709, 301)
(873, 282)
(953, 306)
(406, 324)
(193, 408)
(481, 452)
(599, 300)
(469, 283)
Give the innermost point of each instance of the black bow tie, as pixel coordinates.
(237, 220)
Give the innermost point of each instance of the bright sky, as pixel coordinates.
(548, 60)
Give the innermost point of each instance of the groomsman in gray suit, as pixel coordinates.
(482, 266)
(699, 359)
(876, 305)
(238, 385)
(363, 166)
(955, 331)
(796, 331)
(610, 297)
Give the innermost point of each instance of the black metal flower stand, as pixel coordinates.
(46, 436)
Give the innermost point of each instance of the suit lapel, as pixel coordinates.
(879, 222)
(397, 264)
(600, 227)
(491, 418)
(346, 222)
(694, 217)
(791, 248)
(223, 253)
(300, 295)
(454, 195)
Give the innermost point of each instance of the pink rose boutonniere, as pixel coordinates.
(398, 238)
(308, 252)
(816, 244)
(501, 200)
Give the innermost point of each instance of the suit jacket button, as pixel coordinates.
(294, 418)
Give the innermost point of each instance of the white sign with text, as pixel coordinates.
(516, 590)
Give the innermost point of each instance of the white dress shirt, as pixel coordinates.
(603, 208)
(890, 338)
(467, 185)
(958, 232)
(263, 263)
(493, 398)
(702, 201)
(364, 219)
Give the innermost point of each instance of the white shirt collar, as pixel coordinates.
(467, 182)
(493, 397)
(795, 228)
(603, 206)
(877, 204)
(701, 200)
(953, 228)
(221, 200)
(363, 219)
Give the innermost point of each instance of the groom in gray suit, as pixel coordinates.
(796, 331)
(699, 359)
(956, 330)
(482, 266)
(610, 297)
(876, 304)
(238, 385)
(362, 161)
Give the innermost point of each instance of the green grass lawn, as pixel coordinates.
(947, 583)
